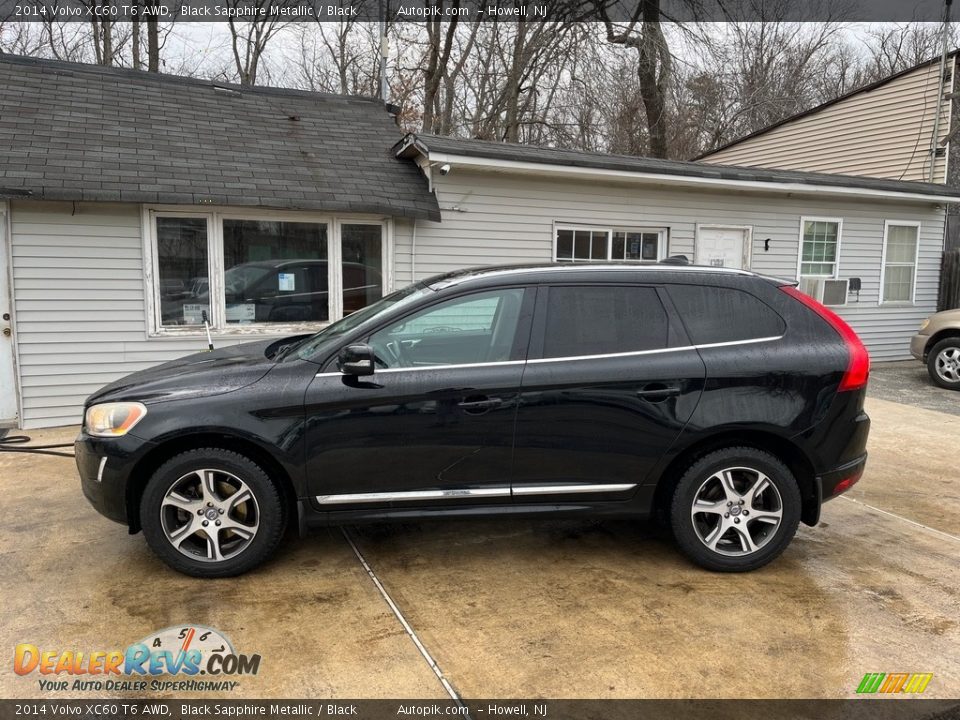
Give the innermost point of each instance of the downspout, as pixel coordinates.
(943, 68)
(413, 253)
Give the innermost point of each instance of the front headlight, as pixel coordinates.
(113, 419)
(923, 325)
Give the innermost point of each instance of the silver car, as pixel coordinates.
(938, 345)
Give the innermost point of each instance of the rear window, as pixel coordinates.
(719, 314)
(603, 319)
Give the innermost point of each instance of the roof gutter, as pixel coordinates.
(586, 173)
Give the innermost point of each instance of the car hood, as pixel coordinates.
(946, 317)
(201, 374)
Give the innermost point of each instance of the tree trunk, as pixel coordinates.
(512, 114)
(135, 42)
(653, 68)
(153, 44)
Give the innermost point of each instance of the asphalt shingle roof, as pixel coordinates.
(84, 132)
(645, 165)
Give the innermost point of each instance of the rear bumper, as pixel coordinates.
(918, 346)
(839, 480)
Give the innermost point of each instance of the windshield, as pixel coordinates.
(406, 296)
(241, 277)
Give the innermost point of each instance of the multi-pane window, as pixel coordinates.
(605, 244)
(900, 262)
(263, 272)
(819, 249)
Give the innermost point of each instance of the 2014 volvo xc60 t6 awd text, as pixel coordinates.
(727, 402)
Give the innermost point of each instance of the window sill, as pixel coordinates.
(254, 331)
(896, 304)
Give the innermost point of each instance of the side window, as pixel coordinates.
(472, 329)
(599, 319)
(717, 314)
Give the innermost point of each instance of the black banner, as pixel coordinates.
(853, 709)
(470, 10)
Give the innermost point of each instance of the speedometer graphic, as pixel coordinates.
(184, 638)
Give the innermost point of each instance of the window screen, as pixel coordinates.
(599, 320)
(716, 314)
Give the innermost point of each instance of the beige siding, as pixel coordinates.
(881, 133)
(503, 219)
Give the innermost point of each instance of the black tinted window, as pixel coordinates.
(603, 319)
(716, 314)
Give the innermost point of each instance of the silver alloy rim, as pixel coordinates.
(948, 364)
(210, 515)
(736, 511)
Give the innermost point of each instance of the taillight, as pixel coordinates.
(858, 366)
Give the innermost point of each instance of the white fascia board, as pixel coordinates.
(570, 171)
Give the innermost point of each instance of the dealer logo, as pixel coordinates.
(189, 650)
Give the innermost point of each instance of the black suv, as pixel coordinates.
(729, 403)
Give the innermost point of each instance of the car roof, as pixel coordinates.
(608, 271)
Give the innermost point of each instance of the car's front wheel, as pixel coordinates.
(943, 363)
(212, 513)
(735, 509)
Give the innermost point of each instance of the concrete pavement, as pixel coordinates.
(512, 608)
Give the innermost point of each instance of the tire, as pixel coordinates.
(207, 485)
(943, 363)
(769, 519)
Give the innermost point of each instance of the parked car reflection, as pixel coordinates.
(286, 291)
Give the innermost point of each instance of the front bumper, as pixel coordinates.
(918, 346)
(104, 465)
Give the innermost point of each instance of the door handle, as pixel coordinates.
(480, 404)
(656, 392)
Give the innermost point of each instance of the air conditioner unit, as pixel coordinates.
(826, 290)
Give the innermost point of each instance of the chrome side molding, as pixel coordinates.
(499, 491)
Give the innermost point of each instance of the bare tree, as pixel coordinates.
(893, 50)
(249, 40)
(653, 65)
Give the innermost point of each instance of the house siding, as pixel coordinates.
(80, 308)
(507, 219)
(79, 305)
(882, 133)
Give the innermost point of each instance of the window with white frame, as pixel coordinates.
(265, 271)
(900, 246)
(819, 247)
(593, 244)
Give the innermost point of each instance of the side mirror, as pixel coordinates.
(356, 360)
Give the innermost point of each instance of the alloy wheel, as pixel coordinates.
(948, 364)
(736, 511)
(210, 515)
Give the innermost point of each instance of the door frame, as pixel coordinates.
(6, 288)
(747, 255)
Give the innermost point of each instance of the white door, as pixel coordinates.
(723, 246)
(8, 379)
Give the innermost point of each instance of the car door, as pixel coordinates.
(609, 384)
(434, 424)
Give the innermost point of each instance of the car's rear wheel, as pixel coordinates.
(212, 513)
(735, 509)
(943, 363)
